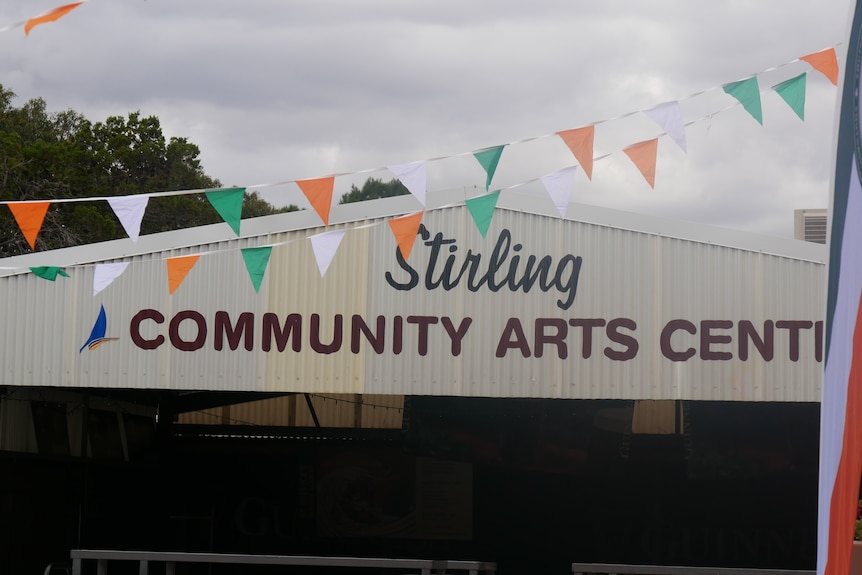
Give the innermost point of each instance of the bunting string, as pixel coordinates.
(827, 55)
(29, 214)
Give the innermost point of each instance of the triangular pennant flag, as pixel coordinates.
(49, 16)
(643, 154)
(29, 216)
(178, 269)
(824, 62)
(413, 177)
(49, 273)
(792, 91)
(580, 142)
(107, 273)
(319, 193)
(482, 210)
(489, 158)
(559, 185)
(130, 211)
(669, 117)
(748, 94)
(405, 229)
(228, 204)
(325, 246)
(256, 261)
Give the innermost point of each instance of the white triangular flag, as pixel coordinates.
(559, 185)
(669, 117)
(105, 274)
(325, 245)
(413, 177)
(130, 212)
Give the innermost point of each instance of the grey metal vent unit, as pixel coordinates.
(810, 225)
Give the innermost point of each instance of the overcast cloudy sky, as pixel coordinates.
(276, 90)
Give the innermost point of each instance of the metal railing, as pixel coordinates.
(620, 569)
(171, 558)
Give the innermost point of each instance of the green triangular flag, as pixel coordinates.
(49, 273)
(256, 260)
(792, 91)
(228, 204)
(748, 94)
(488, 158)
(482, 210)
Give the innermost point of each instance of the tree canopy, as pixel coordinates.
(51, 156)
(372, 189)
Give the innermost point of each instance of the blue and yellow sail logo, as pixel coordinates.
(97, 335)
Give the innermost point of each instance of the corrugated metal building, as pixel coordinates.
(601, 305)
(587, 348)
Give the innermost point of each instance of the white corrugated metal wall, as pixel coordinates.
(647, 276)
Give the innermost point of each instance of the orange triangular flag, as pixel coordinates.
(643, 154)
(319, 193)
(824, 62)
(49, 16)
(29, 216)
(178, 269)
(580, 142)
(405, 229)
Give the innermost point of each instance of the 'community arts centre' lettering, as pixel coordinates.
(616, 339)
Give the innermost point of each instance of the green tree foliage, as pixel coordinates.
(372, 189)
(55, 156)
